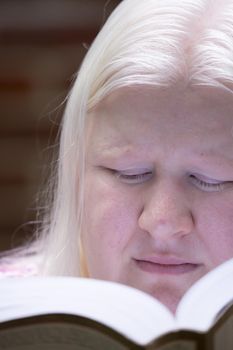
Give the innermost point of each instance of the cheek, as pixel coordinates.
(110, 223)
(216, 227)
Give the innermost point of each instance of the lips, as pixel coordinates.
(165, 265)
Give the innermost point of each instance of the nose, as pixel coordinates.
(166, 213)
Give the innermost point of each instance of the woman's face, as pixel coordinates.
(159, 188)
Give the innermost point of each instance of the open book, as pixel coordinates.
(65, 313)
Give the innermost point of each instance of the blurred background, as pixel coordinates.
(42, 43)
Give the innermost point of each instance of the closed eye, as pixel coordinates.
(131, 177)
(211, 185)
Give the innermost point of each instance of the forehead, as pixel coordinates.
(138, 116)
(177, 108)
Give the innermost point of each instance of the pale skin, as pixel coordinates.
(159, 188)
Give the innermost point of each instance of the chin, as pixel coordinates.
(169, 294)
(169, 299)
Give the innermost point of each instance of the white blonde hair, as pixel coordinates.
(149, 42)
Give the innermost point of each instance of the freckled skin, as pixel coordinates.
(182, 138)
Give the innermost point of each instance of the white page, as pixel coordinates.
(127, 310)
(206, 298)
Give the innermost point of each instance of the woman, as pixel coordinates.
(144, 187)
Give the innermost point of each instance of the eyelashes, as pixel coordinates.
(211, 186)
(134, 177)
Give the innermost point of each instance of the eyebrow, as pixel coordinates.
(116, 151)
(210, 155)
(211, 152)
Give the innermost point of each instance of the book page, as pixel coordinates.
(179, 345)
(202, 303)
(130, 312)
(57, 337)
(222, 336)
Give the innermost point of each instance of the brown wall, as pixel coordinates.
(41, 47)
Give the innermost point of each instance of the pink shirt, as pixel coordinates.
(17, 270)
